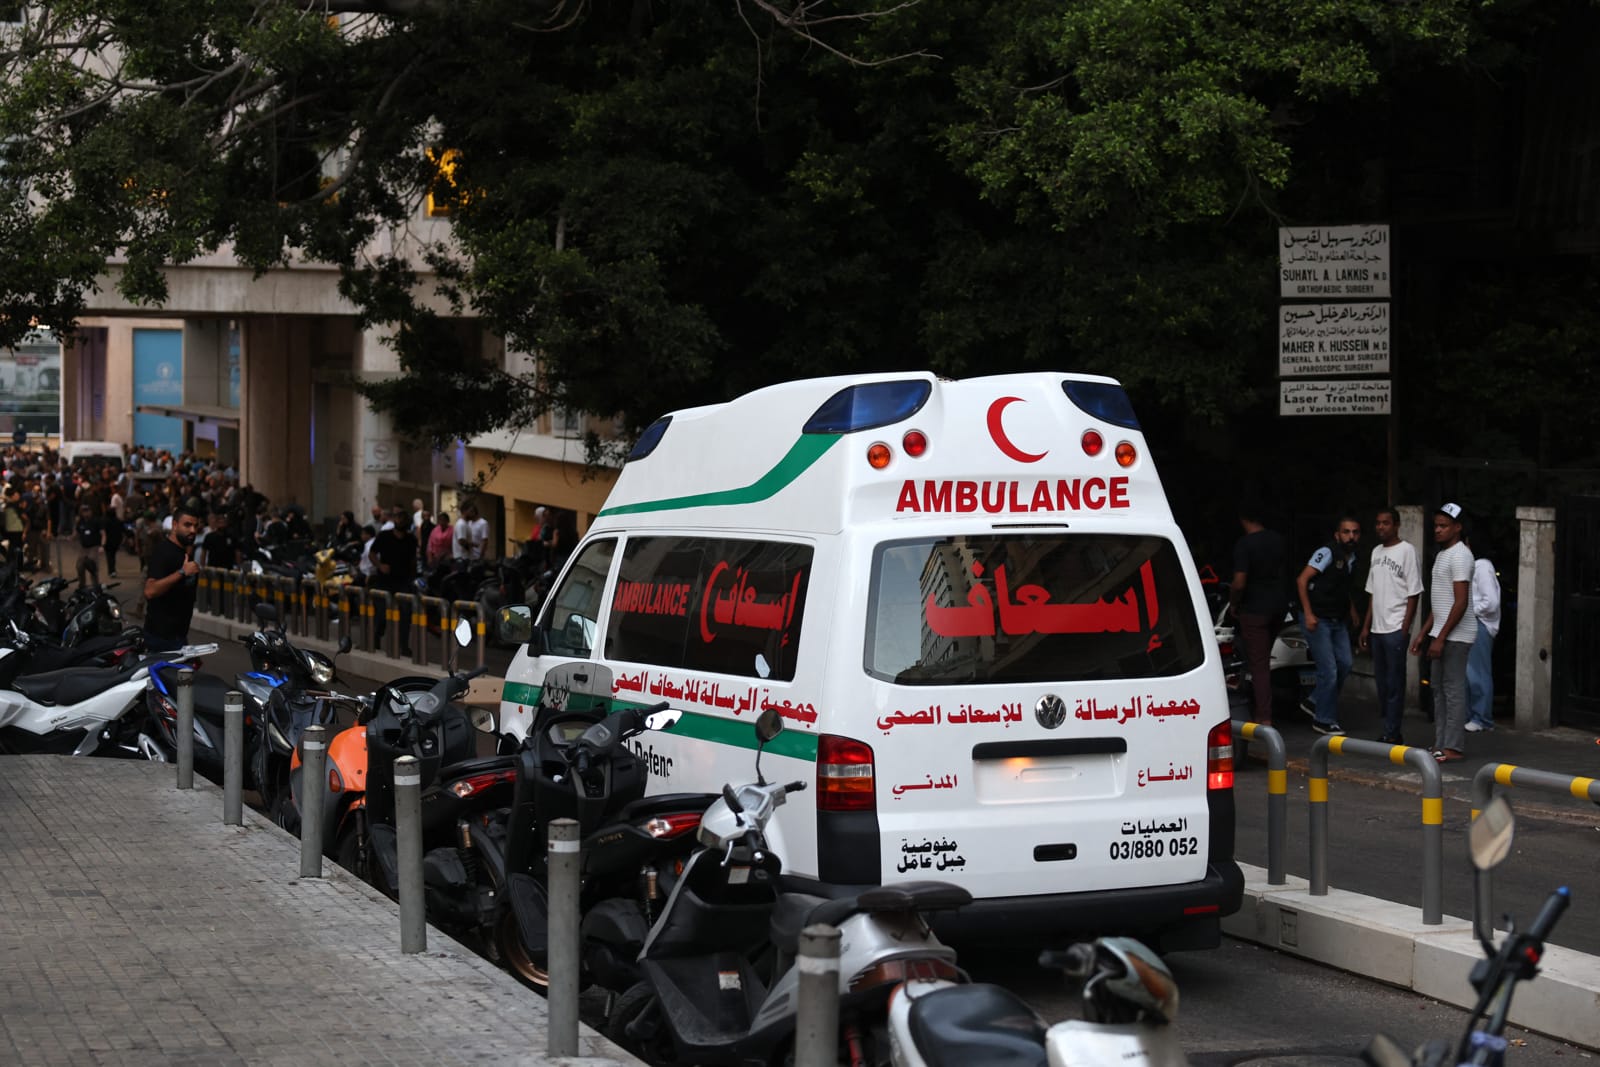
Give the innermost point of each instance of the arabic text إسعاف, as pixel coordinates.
(1028, 610)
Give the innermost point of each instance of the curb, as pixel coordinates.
(1388, 942)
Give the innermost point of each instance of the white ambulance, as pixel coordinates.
(972, 607)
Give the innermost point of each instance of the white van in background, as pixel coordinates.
(97, 452)
(971, 605)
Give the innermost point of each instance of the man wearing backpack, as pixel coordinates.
(1327, 615)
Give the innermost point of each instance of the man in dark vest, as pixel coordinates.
(1328, 617)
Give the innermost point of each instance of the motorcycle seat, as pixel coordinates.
(479, 765)
(978, 1023)
(71, 685)
(795, 911)
(45, 658)
(662, 803)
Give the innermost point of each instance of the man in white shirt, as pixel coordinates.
(1448, 633)
(1480, 661)
(472, 533)
(1394, 582)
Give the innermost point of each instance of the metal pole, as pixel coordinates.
(816, 1042)
(561, 964)
(408, 839)
(1317, 794)
(233, 758)
(1432, 835)
(1277, 794)
(185, 728)
(313, 786)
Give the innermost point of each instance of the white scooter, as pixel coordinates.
(1129, 1002)
(77, 709)
(720, 984)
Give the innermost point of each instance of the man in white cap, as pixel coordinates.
(1448, 633)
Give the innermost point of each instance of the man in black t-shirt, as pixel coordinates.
(1259, 596)
(169, 584)
(394, 556)
(216, 548)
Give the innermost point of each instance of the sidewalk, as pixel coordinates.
(137, 929)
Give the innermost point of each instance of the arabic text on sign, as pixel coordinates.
(928, 855)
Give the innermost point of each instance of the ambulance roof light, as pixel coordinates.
(649, 439)
(868, 406)
(1103, 400)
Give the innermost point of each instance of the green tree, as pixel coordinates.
(671, 204)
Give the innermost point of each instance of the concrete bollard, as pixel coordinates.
(233, 758)
(408, 841)
(313, 787)
(816, 1032)
(561, 963)
(184, 731)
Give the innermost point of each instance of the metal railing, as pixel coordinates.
(1432, 814)
(1512, 776)
(327, 610)
(1277, 793)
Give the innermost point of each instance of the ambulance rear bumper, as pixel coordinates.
(1186, 915)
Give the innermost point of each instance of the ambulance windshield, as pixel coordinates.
(1030, 608)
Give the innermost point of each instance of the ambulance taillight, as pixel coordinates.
(844, 775)
(1219, 756)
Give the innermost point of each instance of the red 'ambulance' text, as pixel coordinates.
(1063, 494)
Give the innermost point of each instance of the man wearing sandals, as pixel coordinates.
(1448, 633)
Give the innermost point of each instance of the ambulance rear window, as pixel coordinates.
(1030, 608)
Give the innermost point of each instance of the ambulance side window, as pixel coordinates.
(571, 614)
(710, 604)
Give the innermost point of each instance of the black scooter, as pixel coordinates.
(575, 764)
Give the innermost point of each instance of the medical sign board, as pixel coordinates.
(1349, 396)
(1316, 339)
(1333, 262)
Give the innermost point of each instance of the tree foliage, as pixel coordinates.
(672, 203)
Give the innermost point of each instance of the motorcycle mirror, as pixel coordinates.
(344, 644)
(266, 613)
(463, 633)
(514, 624)
(769, 725)
(482, 720)
(663, 720)
(1491, 834)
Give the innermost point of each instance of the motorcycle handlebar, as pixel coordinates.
(1553, 908)
(794, 787)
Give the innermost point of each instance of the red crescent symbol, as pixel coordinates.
(998, 432)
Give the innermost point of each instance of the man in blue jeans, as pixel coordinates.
(1394, 583)
(1327, 617)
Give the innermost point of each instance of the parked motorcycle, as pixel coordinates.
(1495, 977)
(719, 983)
(78, 710)
(22, 654)
(1129, 1003)
(283, 696)
(575, 763)
(344, 831)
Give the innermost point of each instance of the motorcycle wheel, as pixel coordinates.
(515, 955)
(283, 813)
(634, 1002)
(351, 856)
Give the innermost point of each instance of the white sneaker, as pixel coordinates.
(1475, 727)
